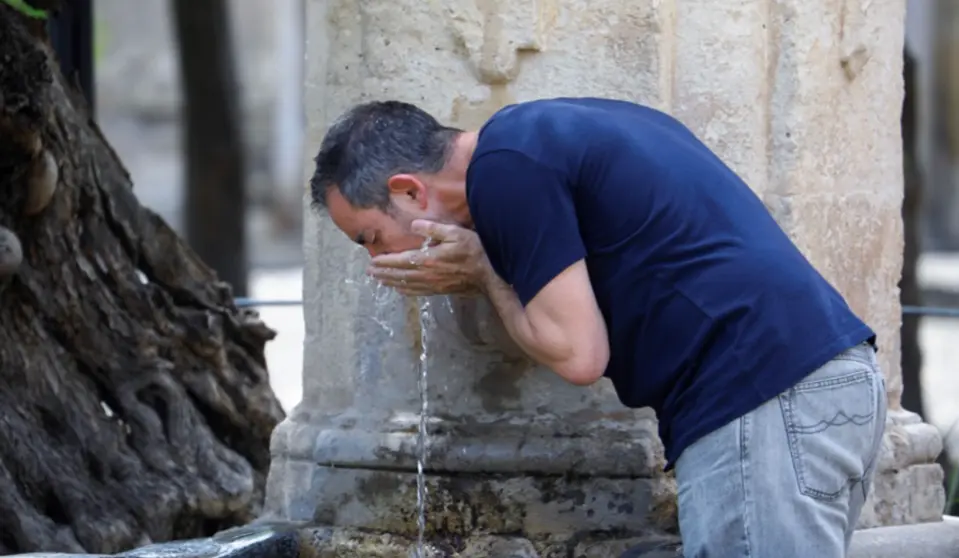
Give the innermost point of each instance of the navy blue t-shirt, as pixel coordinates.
(711, 309)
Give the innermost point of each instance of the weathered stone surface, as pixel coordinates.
(806, 111)
(273, 540)
(462, 505)
(929, 540)
(255, 541)
(589, 442)
(909, 485)
(668, 548)
(505, 547)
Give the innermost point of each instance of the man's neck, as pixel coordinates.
(463, 147)
(453, 192)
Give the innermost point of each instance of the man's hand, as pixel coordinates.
(454, 263)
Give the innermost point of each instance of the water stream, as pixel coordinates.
(382, 299)
(422, 434)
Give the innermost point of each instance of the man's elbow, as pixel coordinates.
(587, 369)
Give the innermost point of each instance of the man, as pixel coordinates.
(613, 242)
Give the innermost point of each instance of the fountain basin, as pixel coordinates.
(266, 539)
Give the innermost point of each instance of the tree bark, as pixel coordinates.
(135, 403)
(212, 138)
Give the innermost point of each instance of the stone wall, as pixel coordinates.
(801, 97)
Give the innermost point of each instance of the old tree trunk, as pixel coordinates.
(135, 404)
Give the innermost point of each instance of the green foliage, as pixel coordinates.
(26, 9)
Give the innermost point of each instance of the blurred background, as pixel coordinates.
(234, 190)
(238, 96)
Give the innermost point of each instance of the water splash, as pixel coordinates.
(422, 434)
(381, 299)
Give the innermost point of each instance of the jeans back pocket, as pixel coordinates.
(830, 420)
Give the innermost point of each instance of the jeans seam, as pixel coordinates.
(745, 473)
(879, 392)
(786, 407)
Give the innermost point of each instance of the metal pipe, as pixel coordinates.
(933, 311)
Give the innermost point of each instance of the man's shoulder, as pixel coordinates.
(564, 124)
(542, 111)
(543, 130)
(516, 127)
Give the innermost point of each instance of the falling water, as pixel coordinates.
(422, 440)
(382, 298)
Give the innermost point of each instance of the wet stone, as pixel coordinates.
(279, 540)
(646, 549)
(253, 541)
(500, 547)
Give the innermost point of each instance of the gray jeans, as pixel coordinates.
(789, 479)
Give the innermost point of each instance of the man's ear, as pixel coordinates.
(409, 188)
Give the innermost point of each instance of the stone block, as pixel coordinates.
(464, 505)
(938, 539)
(908, 487)
(724, 99)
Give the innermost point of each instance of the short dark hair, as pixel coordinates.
(370, 143)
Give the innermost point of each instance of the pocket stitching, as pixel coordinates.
(793, 431)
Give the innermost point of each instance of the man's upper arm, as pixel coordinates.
(524, 214)
(525, 217)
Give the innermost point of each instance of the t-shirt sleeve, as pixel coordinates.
(524, 215)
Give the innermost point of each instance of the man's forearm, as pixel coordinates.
(546, 351)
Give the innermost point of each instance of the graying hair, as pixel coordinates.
(372, 142)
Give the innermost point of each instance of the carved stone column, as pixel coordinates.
(806, 111)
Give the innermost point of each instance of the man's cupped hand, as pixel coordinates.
(452, 263)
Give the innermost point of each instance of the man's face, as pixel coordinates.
(378, 231)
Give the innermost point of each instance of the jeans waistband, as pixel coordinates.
(864, 352)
